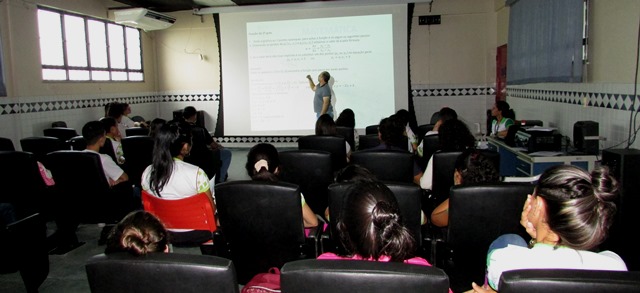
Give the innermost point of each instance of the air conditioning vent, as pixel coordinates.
(143, 18)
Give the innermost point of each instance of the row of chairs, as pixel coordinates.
(185, 273)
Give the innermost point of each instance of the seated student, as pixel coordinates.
(263, 164)
(504, 118)
(113, 134)
(568, 215)
(326, 126)
(138, 233)
(93, 132)
(169, 177)
(453, 135)
(116, 111)
(348, 119)
(155, 126)
(371, 227)
(391, 136)
(471, 167)
(445, 114)
(357, 173)
(202, 139)
(403, 117)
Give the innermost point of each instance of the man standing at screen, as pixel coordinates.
(322, 98)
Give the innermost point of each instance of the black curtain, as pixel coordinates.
(219, 131)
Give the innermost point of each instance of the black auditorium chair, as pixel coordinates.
(311, 170)
(347, 276)
(63, 133)
(25, 189)
(423, 129)
(371, 129)
(368, 141)
(77, 143)
(202, 156)
(107, 149)
(478, 214)
(348, 134)
(6, 144)
(387, 165)
(23, 249)
(261, 223)
(79, 174)
(430, 144)
(136, 131)
(138, 152)
(332, 144)
(160, 272)
(569, 280)
(40, 146)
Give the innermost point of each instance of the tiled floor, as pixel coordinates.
(67, 272)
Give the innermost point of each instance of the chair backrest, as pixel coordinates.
(443, 167)
(63, 133)
(346, 276)
(58, 124)
(409, 198)
(77, 143)
(208, 160)
(138, 150)
(387, 165)
(22, 181)
(23, 248)
(371, 129)
(434, 117)
(107, 149)
(138, 118)
(368, 141)
(332, 144)
(194, 212)
(262, 224)
(423, 129)
(565, 280)
(81, 183)
(40, 146)
(160, 272)
(478, 214)
(6, 144)
(348, 134)
(136, 131)
(312, 171)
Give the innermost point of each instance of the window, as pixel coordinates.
(547, 41)
(80, 48)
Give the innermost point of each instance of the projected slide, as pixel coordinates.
(266, 57)
(356, 51)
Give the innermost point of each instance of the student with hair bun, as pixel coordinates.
(138, 233)
(568, 217)
(263, 164)
(371, 227)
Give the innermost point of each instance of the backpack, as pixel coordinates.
(268, 282)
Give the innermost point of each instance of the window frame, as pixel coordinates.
(89, 68)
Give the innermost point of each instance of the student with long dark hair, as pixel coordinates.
(347, 118)
(169, 176)
(326, 126)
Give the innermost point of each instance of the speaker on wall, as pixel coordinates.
(586, 137)
(623, 165)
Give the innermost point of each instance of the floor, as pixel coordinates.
(67, 272)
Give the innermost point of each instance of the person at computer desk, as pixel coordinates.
(504, 116)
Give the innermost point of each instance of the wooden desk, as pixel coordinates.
(515, 162)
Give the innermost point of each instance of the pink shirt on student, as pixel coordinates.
(384, 258)
(414, 261)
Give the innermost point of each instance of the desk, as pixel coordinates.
(514, 162)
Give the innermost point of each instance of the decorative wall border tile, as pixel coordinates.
(54, 104)
(452, 91)
(615, 101)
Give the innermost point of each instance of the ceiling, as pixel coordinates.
(178, 5)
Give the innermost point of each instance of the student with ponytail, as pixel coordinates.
(263, 164)
(371, 227)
